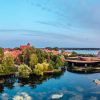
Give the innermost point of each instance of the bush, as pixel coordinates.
(40, 68)
(7, 70)
(33, 60)
(24, 71)
(2, 70)
(73, 54)
(8, 61)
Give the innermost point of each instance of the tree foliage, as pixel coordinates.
(41, 55)
(74, 53)
(33, 60)
(25, 56)
(24, 71)
(1, 55)
(40, 68)
(8, 60)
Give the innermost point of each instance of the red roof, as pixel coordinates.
(25, 46)
(14, 53)
(51, 51)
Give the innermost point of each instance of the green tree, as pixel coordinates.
(62, 50)
(41, 55)
(8, 60)
(74, 53)
(56, 48)
(41, 68)
(59, 61)
(25, 56)
(1, 55)
(33, 60)
(45, 66)
(17, 48)
(24, 71)
(2, 70)
(8, 65)
(38, 70)
(51, 65)
(7, 70)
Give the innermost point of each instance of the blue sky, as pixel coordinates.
(62, 23)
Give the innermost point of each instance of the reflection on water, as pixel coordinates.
(12, 81)
(73, 87)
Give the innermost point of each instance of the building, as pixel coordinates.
(67, 53)
(14, 53)
(51, 51)
(25, 46)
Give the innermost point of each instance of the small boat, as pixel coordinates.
(97, 81)
(57, 96)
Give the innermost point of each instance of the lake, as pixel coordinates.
(73, 86)
(95, 52)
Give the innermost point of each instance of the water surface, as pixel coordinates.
(94, 52)
(73, 87)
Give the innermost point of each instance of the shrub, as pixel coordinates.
(40, 68)
(33, 60)
(8, 60)
(24, 71)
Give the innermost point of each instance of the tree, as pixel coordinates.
(24, 71)
(8, 61)
(33, 60)
(45, 66)
(74, 53)
(56, 48)
(62, 50)
(38, 70)
(59, 61)
(2, 70)
(25, 56)
(41, 55)
(41, 68)
(62, 58)
(8, 65)
(51, 65)
(17, 48)
(49, 48)
(1, 55)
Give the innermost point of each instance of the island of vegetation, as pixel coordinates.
(27, 60)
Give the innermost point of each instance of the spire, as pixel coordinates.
(28, 44)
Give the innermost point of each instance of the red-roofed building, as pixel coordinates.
(25, 46)
(14, 53)
(67, 53)
(51, 51)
